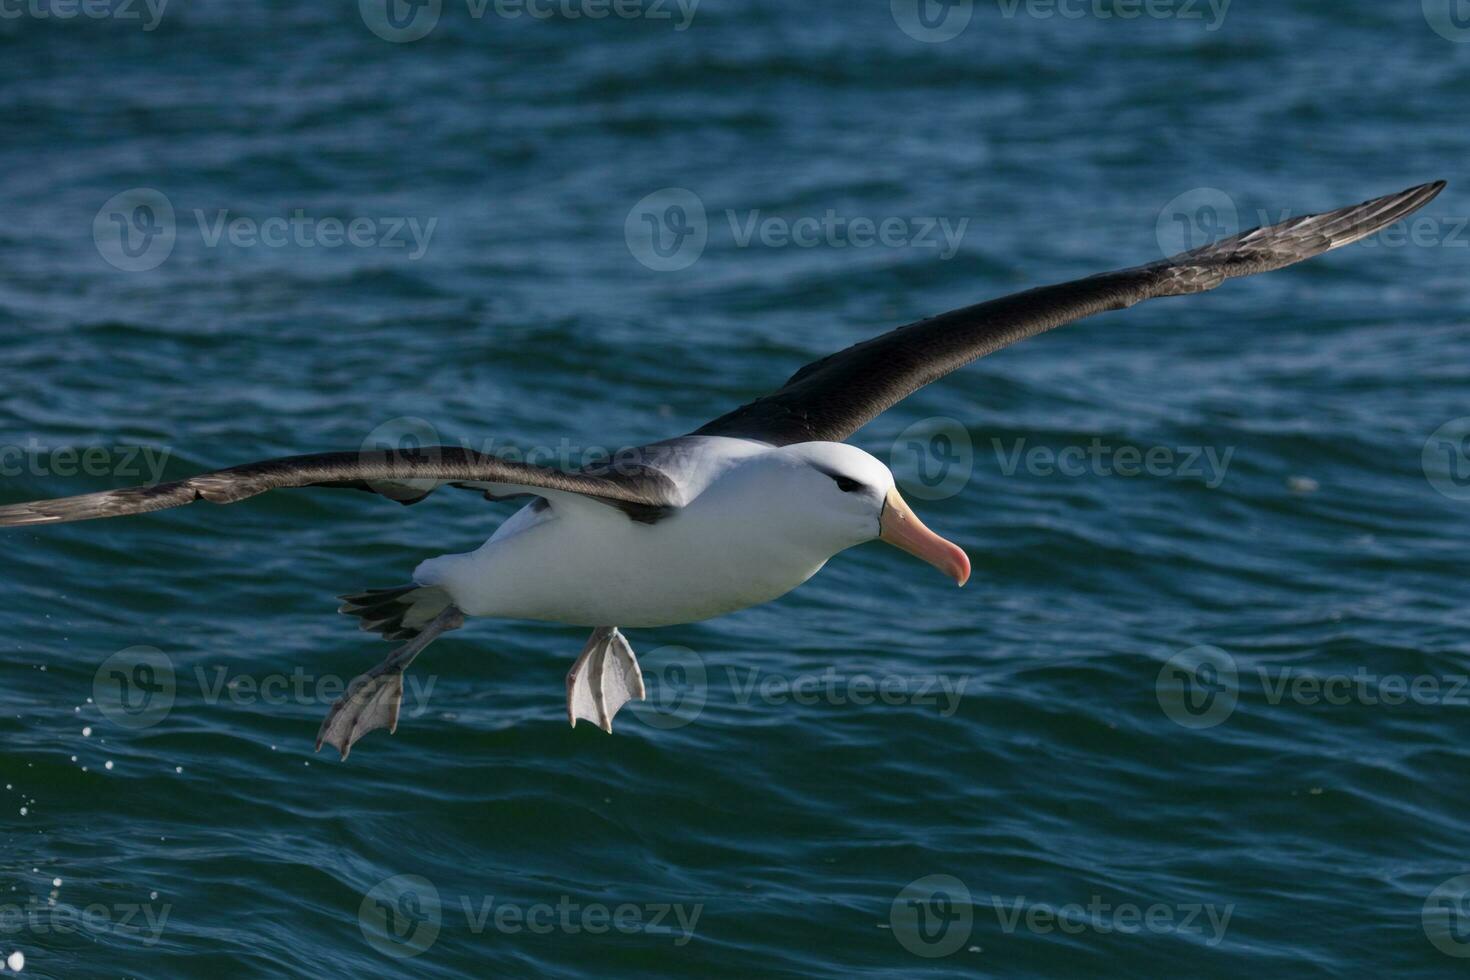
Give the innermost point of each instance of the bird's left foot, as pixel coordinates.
(373, 699)
(605, 677)
(371, 702)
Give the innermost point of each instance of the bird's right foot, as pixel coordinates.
(605, 677)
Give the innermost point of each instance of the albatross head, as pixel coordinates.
(847, 497)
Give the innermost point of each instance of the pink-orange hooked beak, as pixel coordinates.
(901, 528)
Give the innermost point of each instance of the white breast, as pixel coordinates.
(586, 564)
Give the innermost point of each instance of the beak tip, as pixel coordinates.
(899, 527)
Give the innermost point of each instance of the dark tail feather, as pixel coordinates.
(398, 614)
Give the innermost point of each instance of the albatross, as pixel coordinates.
(736, 513)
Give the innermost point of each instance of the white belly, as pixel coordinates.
(591, 566)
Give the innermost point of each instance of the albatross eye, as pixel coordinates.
(847, 485)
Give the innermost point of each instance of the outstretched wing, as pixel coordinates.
(406, 476)
(830, 399)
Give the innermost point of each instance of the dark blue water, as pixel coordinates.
(1198, 713)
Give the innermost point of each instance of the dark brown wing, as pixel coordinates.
(406, 476)
(830, 399)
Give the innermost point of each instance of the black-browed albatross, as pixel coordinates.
(736, 513)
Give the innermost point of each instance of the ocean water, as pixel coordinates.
(1201, 710)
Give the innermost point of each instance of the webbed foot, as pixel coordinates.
(605, 677)
(373, 699)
